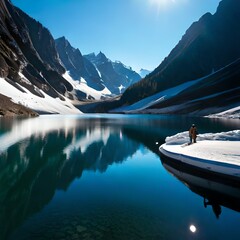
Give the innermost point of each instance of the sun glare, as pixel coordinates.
(161, 3)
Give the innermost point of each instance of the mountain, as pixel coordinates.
(211, 45)
(127, 72)
(45, 75)
(199, 76)
(215, 93)
(115, 75)
(97, 71)
(77, 65)
(28, 47)
(29, 63)
(144, 72)
(10, 109)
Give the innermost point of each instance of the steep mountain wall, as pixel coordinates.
(115, 75)
(77, 65)
(208, 45)
(27, 47)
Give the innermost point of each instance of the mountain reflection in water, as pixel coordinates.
(39, 156)
(42, 155)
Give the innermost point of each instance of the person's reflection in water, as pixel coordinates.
(215, 207)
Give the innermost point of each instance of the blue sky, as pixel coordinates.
(139, 33)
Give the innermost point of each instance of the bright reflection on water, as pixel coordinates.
(193, 229)
(101, 177)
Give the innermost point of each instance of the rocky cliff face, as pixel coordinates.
(213, 94)
(77, 65)
(208, 45)
(115, 75)
(97, 70)
(27, 47)
(10, 109)
(11, 57)
(32, 61)
(127, 72)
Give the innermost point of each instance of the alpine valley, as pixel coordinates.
(47, 75)
(200, 76)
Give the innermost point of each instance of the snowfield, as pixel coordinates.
(219, 152)
(83, 87)
(47, 104)
(233, 113)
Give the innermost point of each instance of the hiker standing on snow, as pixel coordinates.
(193, 133)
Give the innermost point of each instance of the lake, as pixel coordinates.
(102, 177)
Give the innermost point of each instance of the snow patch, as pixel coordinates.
(82, 80)
(83, 87)
(24, 79)
(99, 73)
(233, 113)
(47, 104)
(120, 88)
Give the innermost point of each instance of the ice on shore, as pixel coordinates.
(183, 137)
(219, 147)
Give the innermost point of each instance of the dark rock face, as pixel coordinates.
(78, 66)
(10, 54)
(110, 78)
(10, 109)
(208, 45)
(127, 72)
(115, 76)
(28, 47)
(215, 93)
(97, 70)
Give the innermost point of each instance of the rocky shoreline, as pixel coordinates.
(11, 109)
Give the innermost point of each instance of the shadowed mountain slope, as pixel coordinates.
(208, 45)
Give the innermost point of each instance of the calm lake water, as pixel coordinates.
(101, 177)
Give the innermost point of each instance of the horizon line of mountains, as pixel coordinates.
(97, 70)
(200, 76)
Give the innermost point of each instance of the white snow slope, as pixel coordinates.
(47, 104)
(231, 113)
(83, 87)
